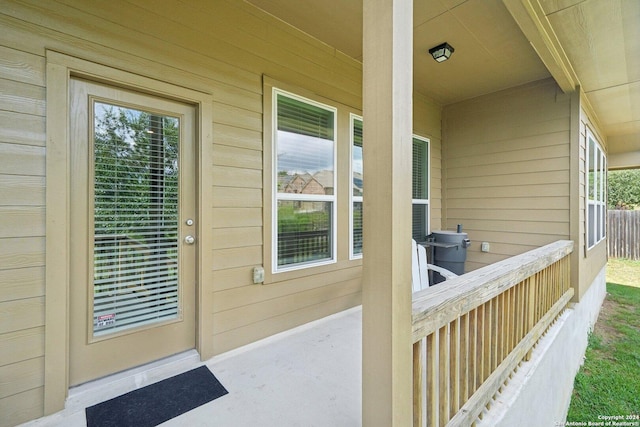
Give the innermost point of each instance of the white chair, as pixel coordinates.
(420, 268)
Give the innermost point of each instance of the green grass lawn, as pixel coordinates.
(623, 272)
(608, 383)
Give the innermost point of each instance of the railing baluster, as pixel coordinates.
(454, 349)
(531, 298)
(417, 384)
(495, 334)
(464, 359)
(480, 345)
(508, 324)
(548, 289)
(433, 396)
(473, 351)
(486, 370)
(514, 319)
(443, 374)
(521, 313)
(500, 338)
(536, 290)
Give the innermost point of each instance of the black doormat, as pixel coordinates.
(159, 402)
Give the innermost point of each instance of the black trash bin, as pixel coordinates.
(449, 250)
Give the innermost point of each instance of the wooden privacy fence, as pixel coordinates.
(623, 234)
(472, 332)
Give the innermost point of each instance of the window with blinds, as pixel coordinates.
(304, 147)
(420, 187)
(135, 251)
(357, 186)
(596, 192)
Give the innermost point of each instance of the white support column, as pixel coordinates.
(387, 117)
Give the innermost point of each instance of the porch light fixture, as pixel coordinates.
(442, 52)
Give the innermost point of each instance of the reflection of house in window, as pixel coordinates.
(357, 184)
(293, 183)
(319, 183)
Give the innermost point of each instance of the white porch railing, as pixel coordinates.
(475, 329)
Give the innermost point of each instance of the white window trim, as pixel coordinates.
(599, 204)
(305, 197)
(426, 201)
(352, 198)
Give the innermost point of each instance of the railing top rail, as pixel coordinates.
(436, 306)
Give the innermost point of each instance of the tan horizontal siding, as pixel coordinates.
(237, 257)
(224, 238)
(544, 215)
(21, 345)
(22, 216)
(499, 249)
(20, 159)
(238, 117)
(259, 311)
(236, 217)
(22, 190)
(512, 239)
(244, 99)
(507, 178)
(230, 197)
(506, 167)
(231, 278)
(238, 137)
(72, 30)
(224, 155)
(21, 314)
(22, 376)
(524, 178)
(522, 202)
(21, 235)
(21, 252)
(20, 66)
(518, 226)
(18, 128)
(21, 221)
(21, 407)
(22, 98)
(507, 153)
(511, 191)
(224, 176)
(21, 283)
(267, 327)
(248, 295)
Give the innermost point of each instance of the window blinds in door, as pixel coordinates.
(135, 252)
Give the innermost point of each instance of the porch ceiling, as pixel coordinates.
(601, 40)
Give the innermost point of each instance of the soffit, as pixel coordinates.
(491, 53)
(602, 41)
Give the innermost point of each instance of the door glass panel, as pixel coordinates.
(135, 193)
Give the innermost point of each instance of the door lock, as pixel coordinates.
(189, 222)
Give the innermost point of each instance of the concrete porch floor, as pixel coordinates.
(308, 376)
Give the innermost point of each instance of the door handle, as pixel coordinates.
(189, 240)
